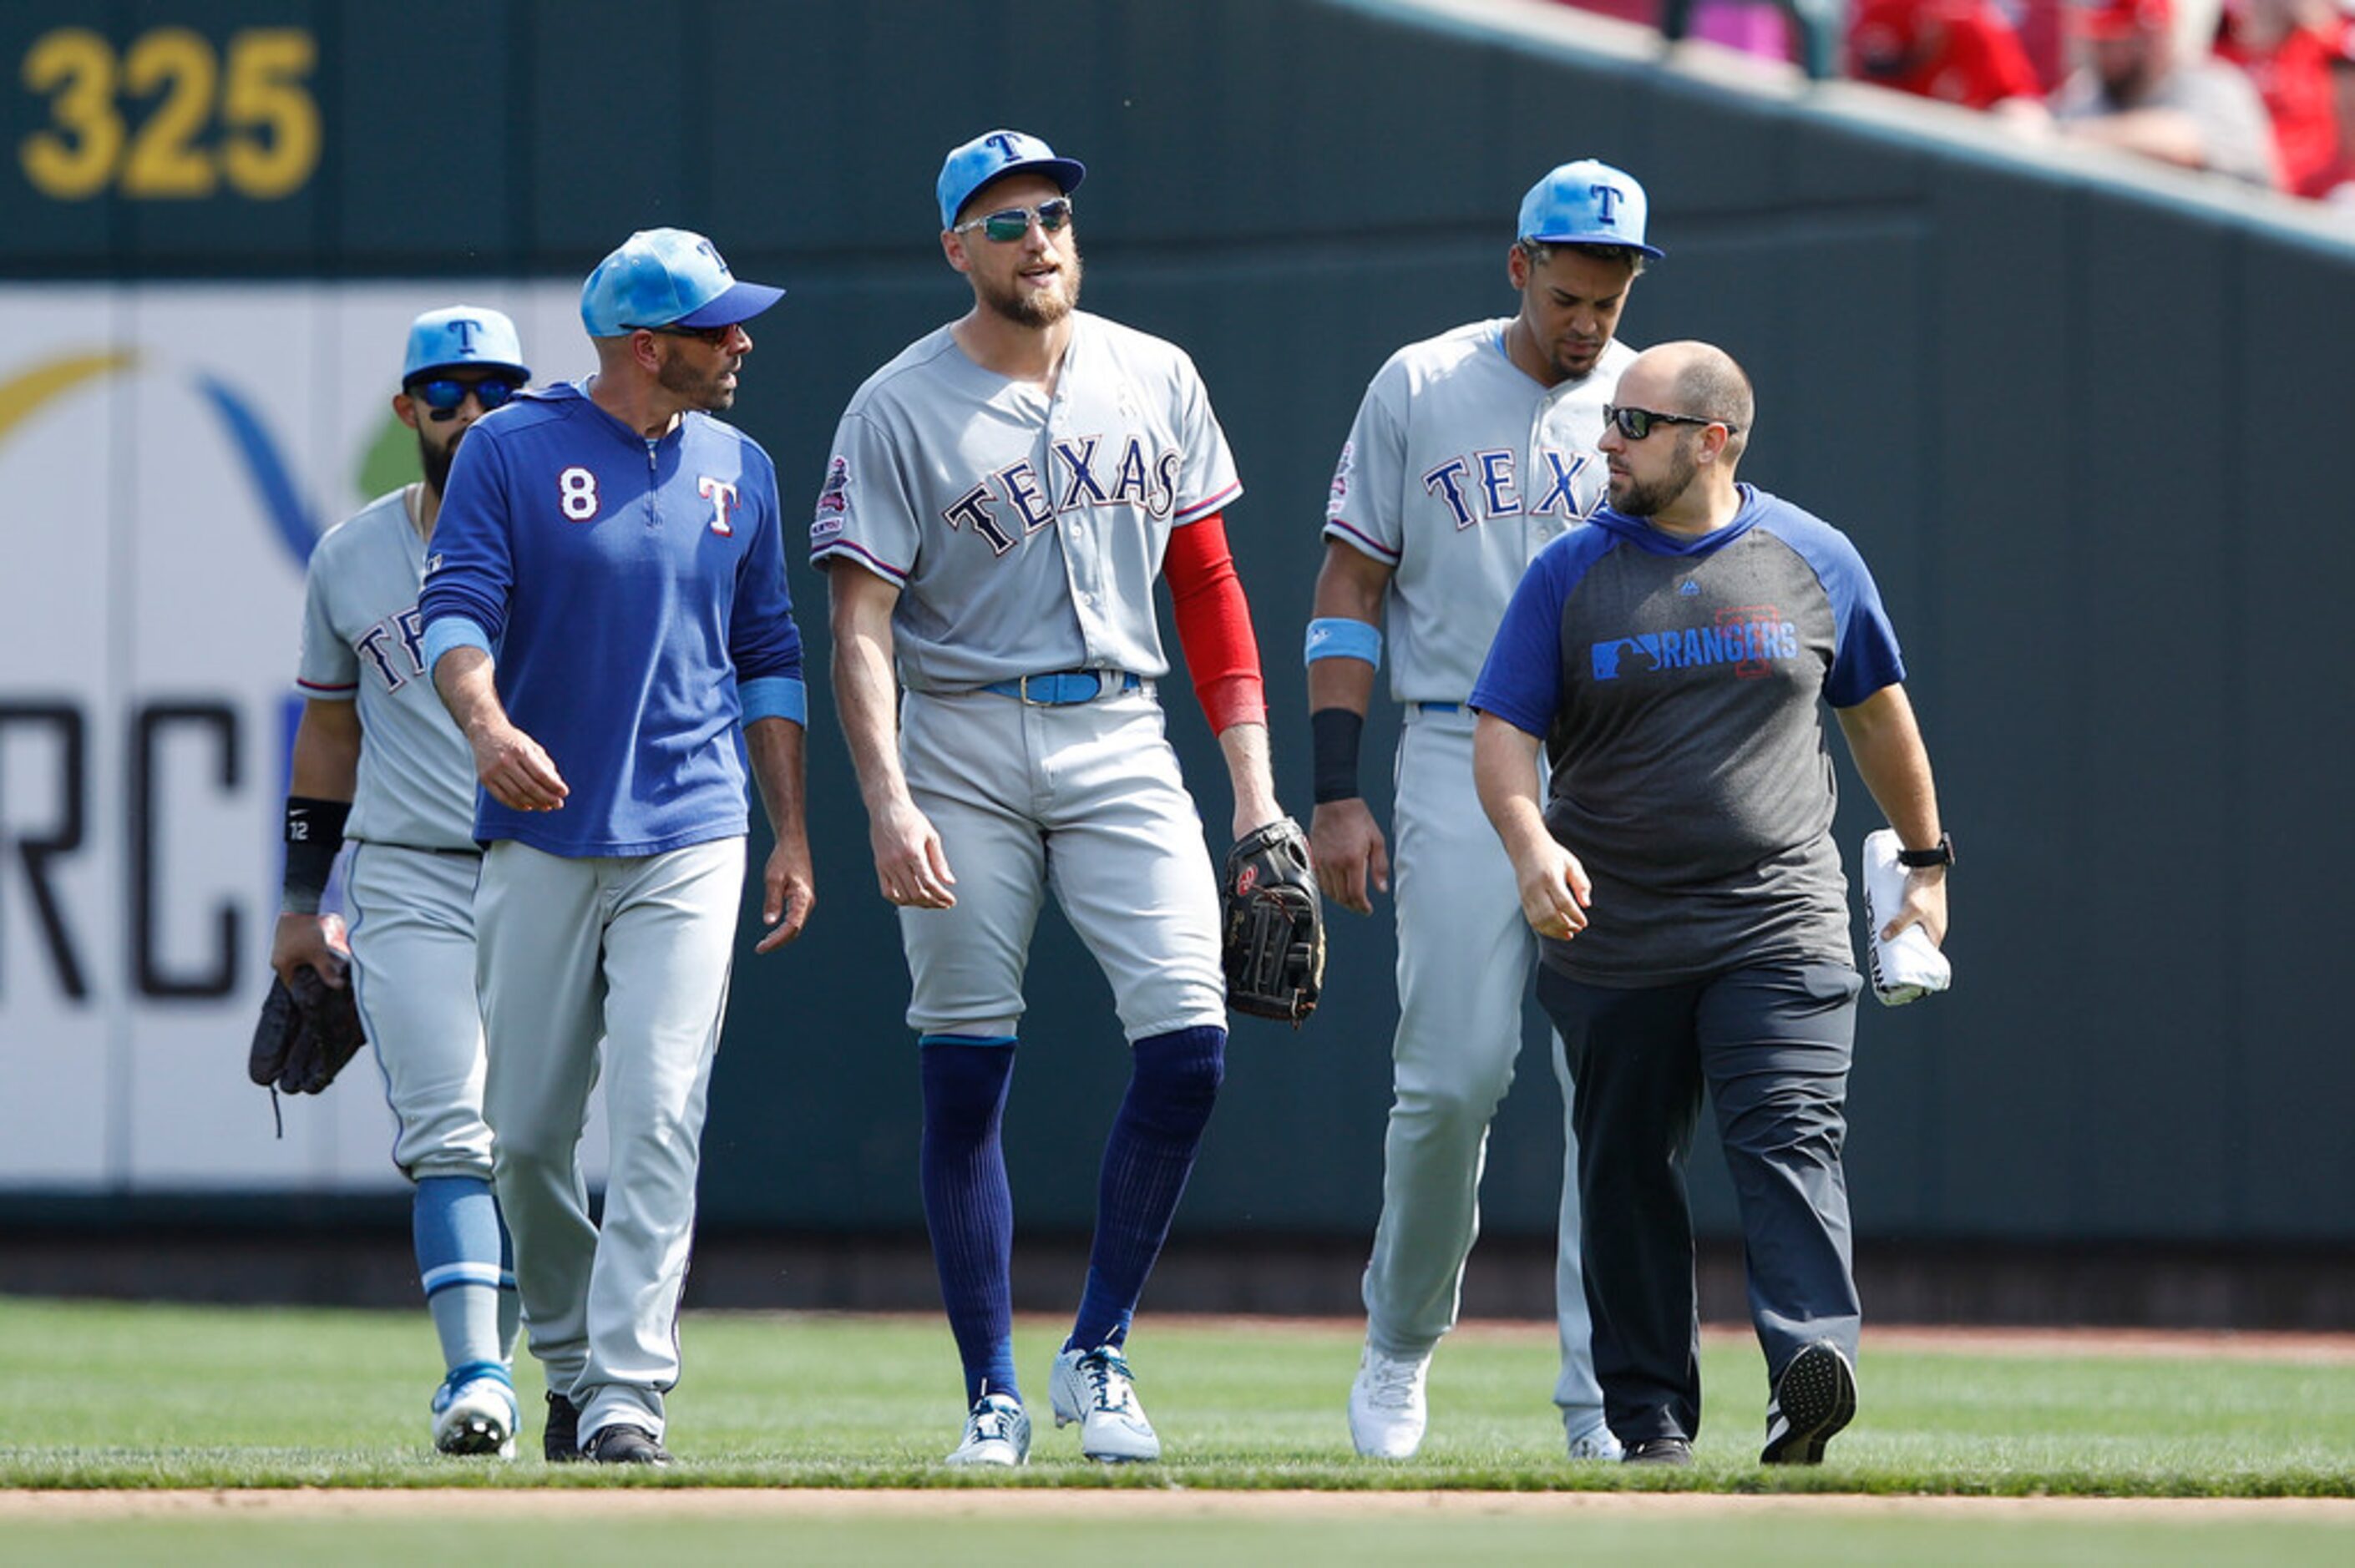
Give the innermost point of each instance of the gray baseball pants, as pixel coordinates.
(635, 951)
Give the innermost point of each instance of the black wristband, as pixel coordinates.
(315, 833)
(1334, 735)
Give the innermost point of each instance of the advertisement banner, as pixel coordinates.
(168, 456)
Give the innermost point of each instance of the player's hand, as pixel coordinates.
(518, 774)
(1345, 846)
(313, 940)
(1924, 905)
(912, 866)
(1555, 892)
(788, 894)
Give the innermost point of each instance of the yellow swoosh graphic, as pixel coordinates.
(21, 397)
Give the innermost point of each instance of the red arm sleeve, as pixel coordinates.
(1214, 626)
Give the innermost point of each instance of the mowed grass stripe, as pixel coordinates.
(151, 1396)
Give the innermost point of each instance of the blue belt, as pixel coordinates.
(1064, 687)
(1441, 707)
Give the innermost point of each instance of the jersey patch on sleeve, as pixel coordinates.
(1341, 471)
(833, 502)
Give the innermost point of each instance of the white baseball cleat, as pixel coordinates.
(1597, 1442)
(1387, 1407)
(474, 1412)
(1092, 1388)
(996, 1433)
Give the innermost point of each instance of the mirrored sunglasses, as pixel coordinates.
(446, 394)
(1014, 222)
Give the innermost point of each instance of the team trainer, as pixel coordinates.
(1682, 875)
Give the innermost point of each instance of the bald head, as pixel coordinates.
(1696, 378)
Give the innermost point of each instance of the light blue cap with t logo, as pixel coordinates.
(993, 155)
(1586, 203)
(667, 277)
(457, 337)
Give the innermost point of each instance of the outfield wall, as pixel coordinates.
(2056, 398)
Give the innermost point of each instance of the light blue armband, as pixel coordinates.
(774, 696)
(451, 631)
(1338, 637)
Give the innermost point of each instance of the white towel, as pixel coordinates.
(1911, 966)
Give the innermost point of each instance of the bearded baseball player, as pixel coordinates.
(378, 765)
(999, 501)
(1471, 451)
(608, 615)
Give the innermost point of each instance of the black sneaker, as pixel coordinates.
(1814, 1398)
(626, 1446)
(1658, 1451)
(560, 1440)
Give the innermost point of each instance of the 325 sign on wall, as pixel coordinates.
(170, 117)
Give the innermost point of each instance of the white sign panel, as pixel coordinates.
(167, 455)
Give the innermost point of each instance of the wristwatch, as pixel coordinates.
(1920, 860)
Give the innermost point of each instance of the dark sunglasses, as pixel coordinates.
(446, 394)
(716, 336)
(1014, 222)
(1637, 423)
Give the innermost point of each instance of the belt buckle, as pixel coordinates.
(1057, 697)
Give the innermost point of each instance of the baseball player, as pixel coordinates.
(1471, 451)
(999, 500)
(607, 614)
(379, 764)
(1675, 659)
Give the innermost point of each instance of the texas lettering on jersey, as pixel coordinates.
(1482, 486)
(394, 648)
(1082, 473)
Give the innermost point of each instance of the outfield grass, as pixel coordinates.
(1820, 1541)
(147, 1397)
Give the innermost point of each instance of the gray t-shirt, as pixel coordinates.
(1677, 682)
(2234, 127)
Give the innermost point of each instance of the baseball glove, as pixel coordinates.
(1274, 925)
(305, 1034)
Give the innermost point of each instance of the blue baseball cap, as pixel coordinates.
(667, 277)
(461, 335)
(1000, 153)
(1586, 203)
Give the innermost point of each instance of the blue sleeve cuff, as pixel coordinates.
(451, 631)
(1338, 637)
(774, 696)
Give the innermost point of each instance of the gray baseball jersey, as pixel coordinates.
(362, 640)
(1459, 470)
(1025, 530)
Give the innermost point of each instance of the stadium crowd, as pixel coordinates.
(2258, 91)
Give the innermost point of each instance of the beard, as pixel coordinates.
(705, 392)
(1028, 308)
(436, 461)
(1636, 500)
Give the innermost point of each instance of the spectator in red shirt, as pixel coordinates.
(1962, 51)
(2285, 48)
